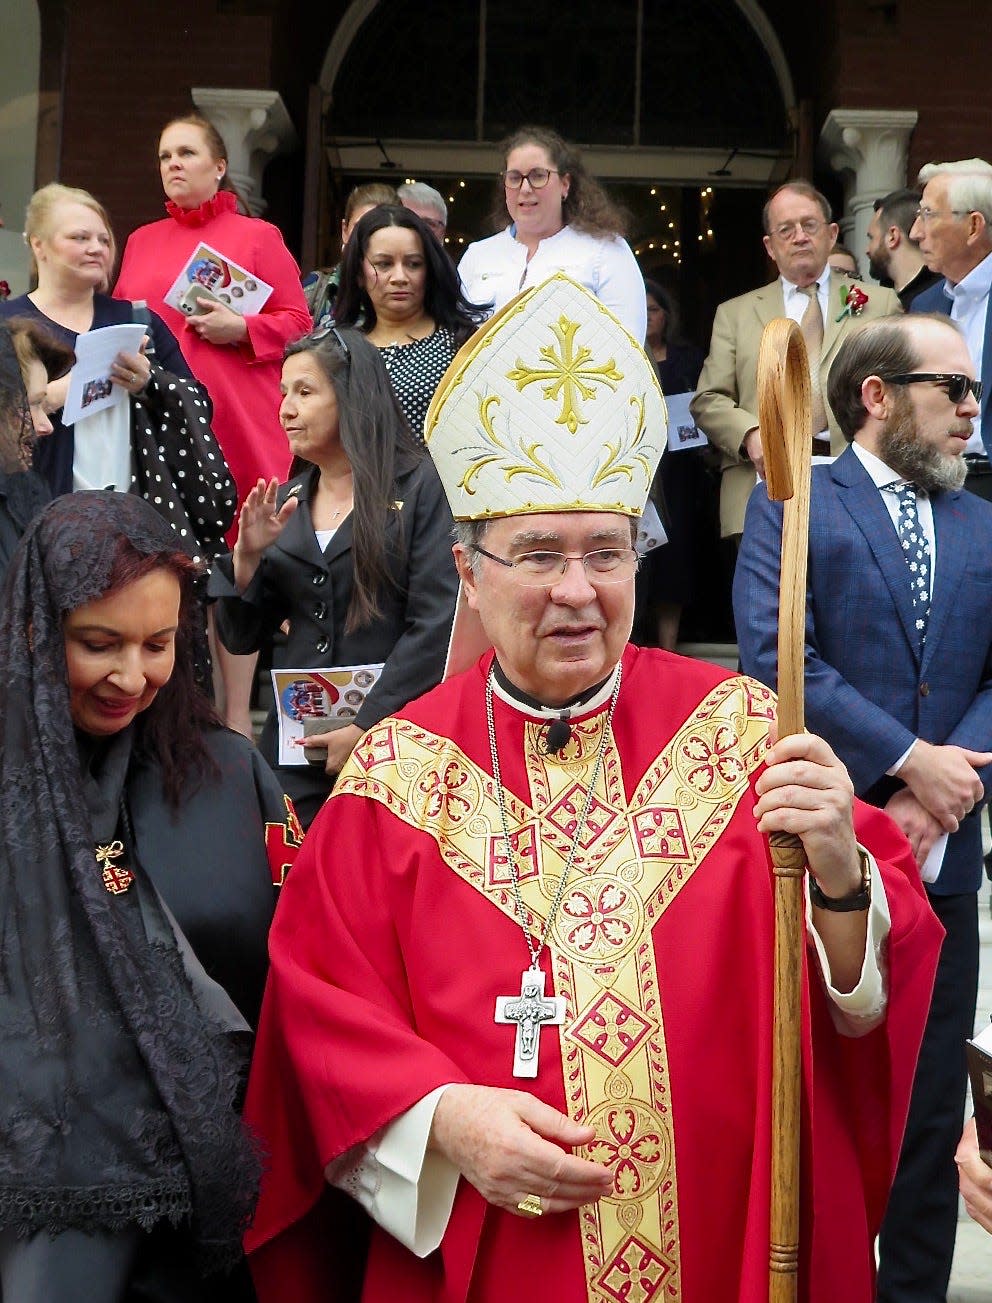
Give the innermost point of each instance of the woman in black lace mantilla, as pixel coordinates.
(132, 864)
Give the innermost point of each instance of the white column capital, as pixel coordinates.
(869, 149)
(255, 126)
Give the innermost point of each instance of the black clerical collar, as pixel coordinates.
(525, 699)
(559, 731)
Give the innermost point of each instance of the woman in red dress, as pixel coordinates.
(238, 358)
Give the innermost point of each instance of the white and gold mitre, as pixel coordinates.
(550, 406)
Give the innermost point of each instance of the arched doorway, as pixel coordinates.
(685, 107)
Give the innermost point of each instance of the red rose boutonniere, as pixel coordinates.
(853, 300)
(4, 291)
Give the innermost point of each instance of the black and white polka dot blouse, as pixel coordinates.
(416, 370)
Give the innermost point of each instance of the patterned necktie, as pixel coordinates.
(812, 330)
(916, 550)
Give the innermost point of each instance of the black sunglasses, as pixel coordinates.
(957, 385)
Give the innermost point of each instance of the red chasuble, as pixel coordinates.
(396, 933)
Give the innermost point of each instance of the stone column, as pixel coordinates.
(255, 127)
(868, 147)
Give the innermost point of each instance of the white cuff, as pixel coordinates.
(408, 1189)
(902, 759)
(859, 1011)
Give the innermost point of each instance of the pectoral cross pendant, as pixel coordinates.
(529, 1012)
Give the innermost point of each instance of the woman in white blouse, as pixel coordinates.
(561, 219)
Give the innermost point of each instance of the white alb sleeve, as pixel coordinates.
(858, 1012)
(408, 1189)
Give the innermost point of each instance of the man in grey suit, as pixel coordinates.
(898, 677)
(799, 235)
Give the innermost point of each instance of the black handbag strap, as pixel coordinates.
(140, 313)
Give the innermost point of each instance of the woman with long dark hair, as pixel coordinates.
(354, 552)
(561, 219)
(135, 897)
(400, 288)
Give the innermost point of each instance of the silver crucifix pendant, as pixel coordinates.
(530, 1010)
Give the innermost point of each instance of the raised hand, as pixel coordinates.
(259, 525)
(806, 790)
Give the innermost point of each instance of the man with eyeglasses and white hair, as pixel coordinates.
(954, 229)
(427, 203)
(520, 995)
(899, 682)
(799, 235)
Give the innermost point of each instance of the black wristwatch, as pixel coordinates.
(849, 904)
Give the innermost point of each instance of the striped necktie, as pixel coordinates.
(812, 330)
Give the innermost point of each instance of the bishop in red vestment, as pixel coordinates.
(520, 1000)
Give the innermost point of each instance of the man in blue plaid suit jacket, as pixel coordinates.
(899, 682)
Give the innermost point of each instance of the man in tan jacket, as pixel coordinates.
(798, 238)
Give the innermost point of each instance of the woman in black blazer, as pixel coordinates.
(353, 553)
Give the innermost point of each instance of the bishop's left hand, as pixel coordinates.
(807, 791)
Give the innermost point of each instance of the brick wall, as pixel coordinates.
(128, 68)
(928, 55)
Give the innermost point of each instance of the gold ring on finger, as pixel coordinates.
(530, 1206)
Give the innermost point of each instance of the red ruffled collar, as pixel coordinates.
(224, 201)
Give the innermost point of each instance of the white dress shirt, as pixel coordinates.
(797, 301)
(882, 475)
(969, 308)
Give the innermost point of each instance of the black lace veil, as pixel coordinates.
(118, 1093)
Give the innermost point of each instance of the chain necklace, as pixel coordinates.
(531, 1009)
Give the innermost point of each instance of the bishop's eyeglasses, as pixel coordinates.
(604, 565)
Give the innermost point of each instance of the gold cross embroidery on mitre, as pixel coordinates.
(567, 373)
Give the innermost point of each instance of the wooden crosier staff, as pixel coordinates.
(784, 413)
